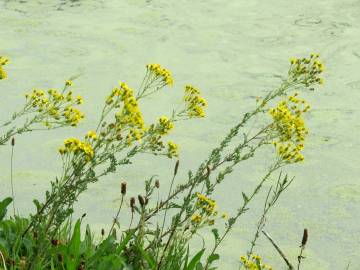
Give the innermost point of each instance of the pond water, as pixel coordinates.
(231, 50)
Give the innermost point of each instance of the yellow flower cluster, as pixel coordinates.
(159, 72)
(130, 115)
(289, 128)
(196, 218)
(254, 263)
(195, 104)
(165, 125)
(173, 149)
(134, 135)
(307, 69)
(68, 82)
(207, 210)
(55, 105)
(72, 115)
(91, 135)
(119, 94)
(74, 145)
(3, 61)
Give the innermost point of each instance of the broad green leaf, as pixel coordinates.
(124, 242)
(148, 258)
(194, 261)
(213, 257)
(74, 245)
(3, 205)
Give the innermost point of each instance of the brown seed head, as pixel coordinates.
(157, 183)
(176, 167)
(141, 200)
(304, 238)
(123, 188)
(102, 232)
(132, 203)
(13, 141)
(55, 242)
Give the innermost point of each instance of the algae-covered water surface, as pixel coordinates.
(233, 51)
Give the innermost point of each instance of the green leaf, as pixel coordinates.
(195, 260)
(37, 204)
(212, 258)
(74, 245)
(124, 242)
(3, 205)
(245, 197)
(186, 258)
(199, 266)
(148, 258)
(216, 235)
(231, 221)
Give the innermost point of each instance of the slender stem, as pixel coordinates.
(3, 260)
(117, 215)
(11, 177)
(166, 209)
(278, 250)
(242, 210)
(177, 220)
(260, 224)
(300, 257)
(131, 220)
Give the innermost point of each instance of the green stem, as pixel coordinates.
(117, 215)
(242, 210)
(11, 177)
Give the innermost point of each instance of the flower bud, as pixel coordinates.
(132, 203)
(123, 188)
(176, 167)
(304, 238)
(141, 200)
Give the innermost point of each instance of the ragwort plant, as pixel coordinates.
(48, 240)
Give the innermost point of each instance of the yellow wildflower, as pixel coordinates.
(225, 216)
(91, 135)
(158, 72)
(306, 70)
(253, 263)
(75, 146)
(3, 61)
(196, 219)
(173, 149)
(289, 128)
(195, 104)
(165, 125)
(68, 82)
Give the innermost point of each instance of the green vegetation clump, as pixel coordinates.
(158, 236)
